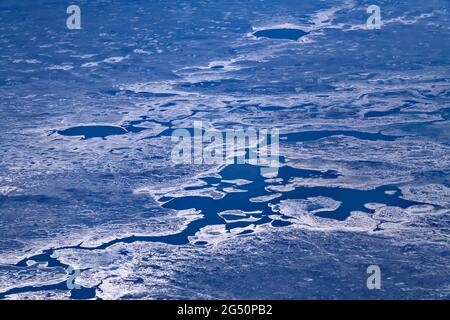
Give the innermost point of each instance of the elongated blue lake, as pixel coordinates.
(96, 204)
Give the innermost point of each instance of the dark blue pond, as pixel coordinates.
(283, 33)
(88, 132)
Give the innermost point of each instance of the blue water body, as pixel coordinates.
(81, 293)
(75, 294)
(310, 135)
(352, 200)
(96, 131)
(316, 135)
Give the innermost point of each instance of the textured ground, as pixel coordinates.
(364, 123)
